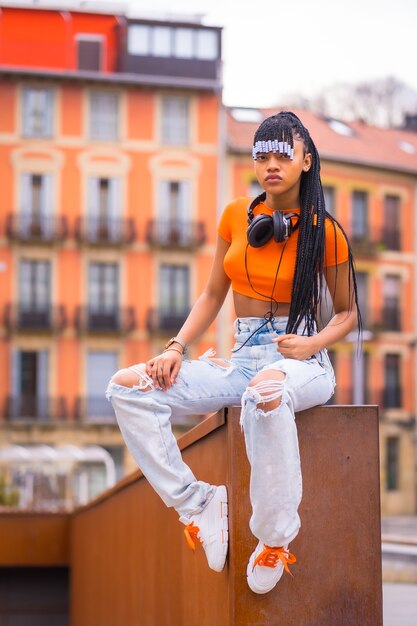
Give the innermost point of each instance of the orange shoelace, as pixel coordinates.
(191, 535)
(269, 557)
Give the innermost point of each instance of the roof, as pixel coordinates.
(345, 142)
(76, 6)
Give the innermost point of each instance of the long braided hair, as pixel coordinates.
(308, 285)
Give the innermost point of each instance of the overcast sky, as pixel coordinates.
(273, 48)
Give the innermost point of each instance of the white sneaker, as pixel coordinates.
(210, 528)
(266, 566)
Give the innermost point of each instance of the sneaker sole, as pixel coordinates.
(222, 528)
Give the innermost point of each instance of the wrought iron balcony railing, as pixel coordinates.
(105, 231)
(34, 408)
(389, 398)
(176, 233)
(94, 409)
(36, 229)
(116, 320)
(35, 317)
(160, 320)
(379, 240)
(388, 319)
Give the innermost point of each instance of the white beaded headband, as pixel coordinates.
(283, 147)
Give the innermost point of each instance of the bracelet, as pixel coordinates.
(177, 340)
(175, 349)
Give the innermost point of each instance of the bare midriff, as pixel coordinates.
(249, 307)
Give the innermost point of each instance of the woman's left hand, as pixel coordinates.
(296, 346)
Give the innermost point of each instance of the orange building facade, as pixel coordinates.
(369, 180)
(108, 166)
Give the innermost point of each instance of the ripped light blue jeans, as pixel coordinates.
(204, 386)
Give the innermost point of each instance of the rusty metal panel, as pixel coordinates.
(130, 561)
(34, 539)
(130, 564)
(337, 578)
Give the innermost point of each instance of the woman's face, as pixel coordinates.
(278, 174)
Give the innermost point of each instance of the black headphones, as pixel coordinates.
(263, 227)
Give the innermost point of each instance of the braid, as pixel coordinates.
(307, 288)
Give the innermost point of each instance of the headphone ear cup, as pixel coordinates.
(279, 226)
(260, 230)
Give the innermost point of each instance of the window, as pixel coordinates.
(138, 40)
(175, 120)
(392, 456)
(391, 316)
(89, 53)
(104, 115)
(29, 384)
(329, 199)
(392, 392)
(175, 42)
(174, 290)
(174, 212)
(34, 311)
(35, 285)
(362, 287)
(360, 216)
(207, 45)
(37, 112)
(103, 208)
(184, 43)
(161, 41)
(36, 204)
(103, 287)
(392, 222)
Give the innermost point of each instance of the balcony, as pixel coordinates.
(105, 232)
(389, 398)
(34, 408)
(162, 321)
(36, 229)
(94, 410)
(182, 234)
(35, 317)
(379, 240)
(387, 320)
(118, 320)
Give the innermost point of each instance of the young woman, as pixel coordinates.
(277, 252)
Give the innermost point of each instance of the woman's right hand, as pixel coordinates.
(164, 368)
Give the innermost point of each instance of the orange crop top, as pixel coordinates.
(262, 262)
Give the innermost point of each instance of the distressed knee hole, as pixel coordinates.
(134, 376)
(267, 391)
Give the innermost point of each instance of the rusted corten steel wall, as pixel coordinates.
(130, 565)
(34, 539)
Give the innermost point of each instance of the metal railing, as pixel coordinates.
(35, 408)
(160, 320)
(387, 319)
(36, 229)
(105, 231)
(35, 317)
(94, 409)
(176, 233)
(377, 240)
(115, 320)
